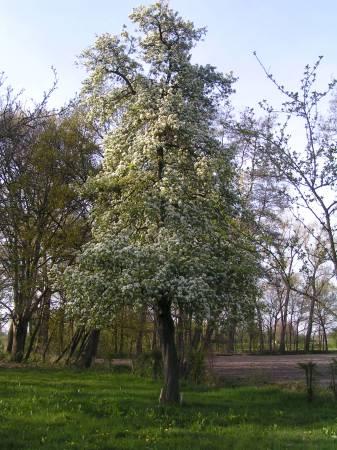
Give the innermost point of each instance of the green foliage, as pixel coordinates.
(53, 409)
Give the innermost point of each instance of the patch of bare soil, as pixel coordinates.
(269, 368)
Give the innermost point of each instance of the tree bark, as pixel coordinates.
(324, 334)
(20, 326)
(170, 392)
(154, 334)
(43, 337)
(89, 350)
(270, 337)
(10, 339)
(309, 329)
(260, 327)
(180, 335)
(71, 347)
(274, 333)
(208, 336)
(33, 335)
(230, 346)
(284, 321)
(197, 335)
(180, 344)
(60, 329)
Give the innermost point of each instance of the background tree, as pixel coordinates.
(43, 160)
(310, 170)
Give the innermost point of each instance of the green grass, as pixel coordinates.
(64, 409)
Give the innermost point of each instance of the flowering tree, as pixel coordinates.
(165, 196)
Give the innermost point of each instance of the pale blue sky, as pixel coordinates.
(287, 34)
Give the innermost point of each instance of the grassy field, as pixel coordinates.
(64, 409)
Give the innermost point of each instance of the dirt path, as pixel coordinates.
(255, 369)
(275, 369)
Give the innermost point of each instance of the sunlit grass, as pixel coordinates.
(54, 409)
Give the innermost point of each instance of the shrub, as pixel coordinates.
(148, 364)
(310, 372)
(2, 350)
(195, 367)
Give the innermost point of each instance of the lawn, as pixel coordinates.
(66, 409)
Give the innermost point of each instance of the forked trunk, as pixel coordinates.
(170, 392)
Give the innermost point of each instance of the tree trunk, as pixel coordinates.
(324, 334)
(309, 329)
(208, 336)
(89, 350)
(20, 326)
(270, 338)
(10, 339)
(44, 327)
(121, 340)
(250, 341)
(154, 334)
(170, 392)
(260, 327)
(297, 335)
(230, 346)
(76, 339)
(284, 322)
(197, 335)
(274, 333)
(180, 343)
(71, 347)
(60, 329)
(139, 341)
(44, 353)
(33, 335)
